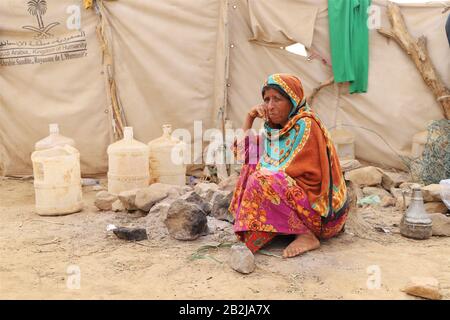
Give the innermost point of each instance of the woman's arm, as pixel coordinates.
(258, 111)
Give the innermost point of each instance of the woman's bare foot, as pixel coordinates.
(302, 243)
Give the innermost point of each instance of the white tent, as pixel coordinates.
(177, 61)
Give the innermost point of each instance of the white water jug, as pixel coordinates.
(54, 139)
(167, 159)
(57, 180)
(127, 164)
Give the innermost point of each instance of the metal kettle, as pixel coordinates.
(416, 223)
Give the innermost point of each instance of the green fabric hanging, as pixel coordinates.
(349, 41)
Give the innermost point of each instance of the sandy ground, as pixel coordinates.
(38, 255)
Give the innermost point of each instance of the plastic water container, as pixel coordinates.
(57, 180)
(54, 139)
(127, 164)
(445, 192)
(167, 163)
(344, 141)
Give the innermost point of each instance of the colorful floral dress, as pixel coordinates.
(295, 185)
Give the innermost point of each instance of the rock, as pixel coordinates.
(397, 192)
(358, 192)
(392, 179)
(215, 225)
(117, 206)
(193, 197)
(242, 259)
(386, 181)
(229, 184)
(146, 198)
(160, 208)
(186, 221)
(98, 187)
(209, 195)
(388, 201)
(367, 176)
(221, 203)
(423, 287)
(128, 199)
(185, 189)
(348, 165)
(399, 205)
(436, 207)
(195, 170)
(202, 188)
(431, 193)
(409, 185)
(368, 191)
(132, 234)
(104, 200)
(354, 193)
(441, 224)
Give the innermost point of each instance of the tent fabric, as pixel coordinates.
(180, 61)
(270, 26)
(55, 79)
(397, 104)
(167, 56)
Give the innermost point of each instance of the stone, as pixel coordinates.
(441, 224)
(185, 189)
(221, 203)
(398, 192)
(146, 198)
(242, 259)
(195, 170)
(358, 192)
(431, 193)
(386, 181)
(186, 221)
(229, 184)
(400, 205)
(98, 187)
(161, 207)
(215, 225)
(424, 287)
(209, 195)
(104, 200)
(193, 197)
(409, 185)
(392, 179)
(202, 188)
(368, 191)
(388, 201)
(128, 199)
(117, 206)
(348, 165)
(436, 207)
(131, 234)
(367, 176)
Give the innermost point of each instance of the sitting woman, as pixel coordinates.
(294, 185)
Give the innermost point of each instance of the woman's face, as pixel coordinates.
(277, 105)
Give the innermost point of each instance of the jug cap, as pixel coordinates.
(128, 133)
(53, 128)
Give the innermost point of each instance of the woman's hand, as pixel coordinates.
(259, 111)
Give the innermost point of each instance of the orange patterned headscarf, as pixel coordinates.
(291, 86)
